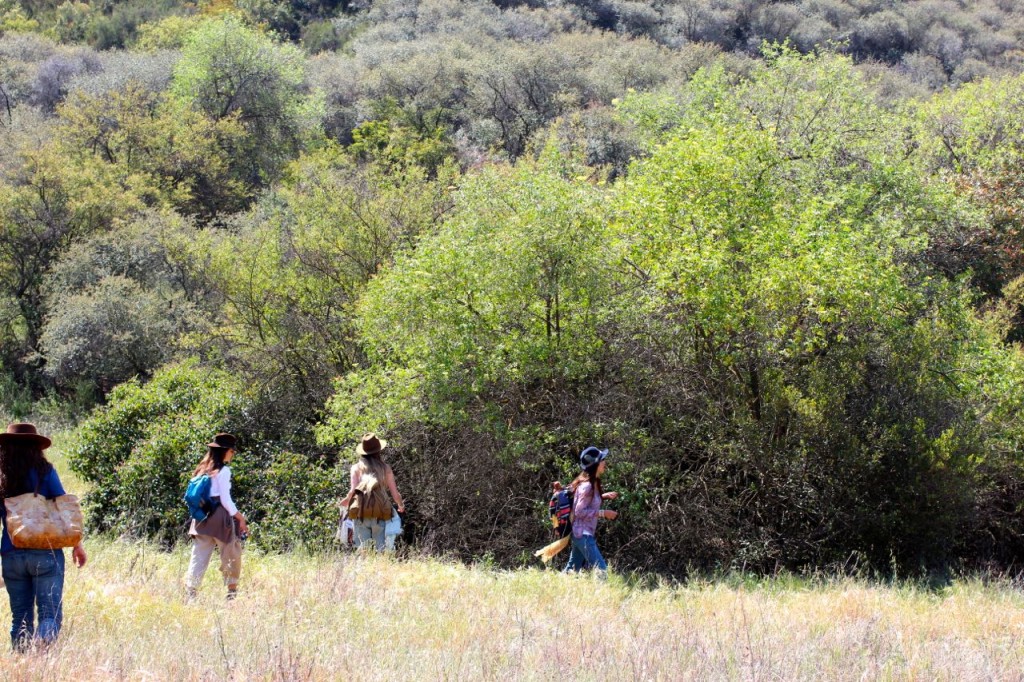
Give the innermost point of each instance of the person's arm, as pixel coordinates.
(224, 479)
(78, 555)
(353, 481)
(395, 495)
(51, 485)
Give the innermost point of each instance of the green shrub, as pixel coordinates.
(293, 496)
(138, 451)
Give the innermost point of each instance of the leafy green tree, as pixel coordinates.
(168, 33)
(184, 156)
(118, 26)
(395, 139)
(229, 70)
(44, 208)
(508, 288)
(778, 223)
(110, 333)
(13, 19)
(118, 304)
(289, 273)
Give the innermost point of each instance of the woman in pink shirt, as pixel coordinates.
(586, 510)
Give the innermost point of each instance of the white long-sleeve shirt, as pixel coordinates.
(220, 486)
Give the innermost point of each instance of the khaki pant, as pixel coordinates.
(202, 550)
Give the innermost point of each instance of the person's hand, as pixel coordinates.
(401, 509)
(609, 514)
(78, 555)
(610, 496)
(243, 526)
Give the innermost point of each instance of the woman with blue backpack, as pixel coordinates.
(587, 495)
(224, 527)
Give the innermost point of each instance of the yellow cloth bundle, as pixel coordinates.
(548, 553)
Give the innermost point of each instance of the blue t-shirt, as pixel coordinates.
(50, 487)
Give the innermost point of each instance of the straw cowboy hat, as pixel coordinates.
(371, 445)
(23, 432)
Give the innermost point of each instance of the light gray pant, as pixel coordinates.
(202, 550)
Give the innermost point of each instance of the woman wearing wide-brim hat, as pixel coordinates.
(371, 480)
(34, 577)
(224, 528)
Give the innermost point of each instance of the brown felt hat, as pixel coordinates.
(371, 445)
(223, 440)
(23, 432)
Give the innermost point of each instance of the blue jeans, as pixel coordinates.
(369, 532)
(34, 579)
(585, 554)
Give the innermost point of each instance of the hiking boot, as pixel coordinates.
(190, 594)
(232, 593)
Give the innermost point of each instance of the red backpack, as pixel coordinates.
(560, 509)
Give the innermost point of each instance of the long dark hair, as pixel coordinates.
(17, 460)
(589, 475)
(212, 461)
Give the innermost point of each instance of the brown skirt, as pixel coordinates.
(218, 525)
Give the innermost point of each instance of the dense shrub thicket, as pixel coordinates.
(139, 452)
(781, 388)
(935, 40)
(784, 287)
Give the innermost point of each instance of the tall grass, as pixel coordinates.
(334, 616)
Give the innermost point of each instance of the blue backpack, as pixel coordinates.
(197, 497)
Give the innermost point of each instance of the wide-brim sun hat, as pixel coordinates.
(591, 456)
(371, 445)
(24, 432)
(223, 440)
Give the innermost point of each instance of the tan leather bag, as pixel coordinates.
(369, 501)
(35, 522)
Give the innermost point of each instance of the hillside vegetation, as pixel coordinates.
(768, 253)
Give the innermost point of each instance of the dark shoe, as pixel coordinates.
(232, 593)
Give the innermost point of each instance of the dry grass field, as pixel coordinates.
(342, 616)
(336, 616)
